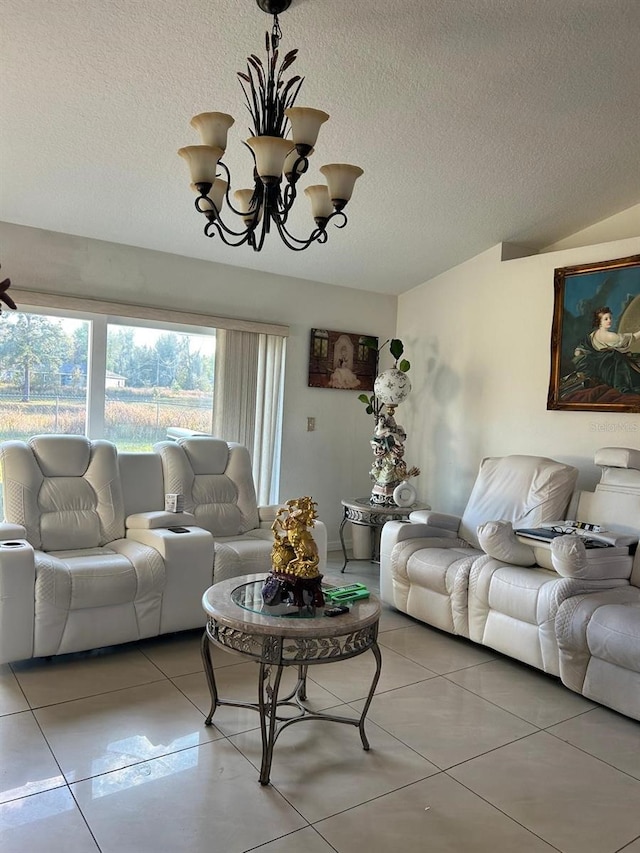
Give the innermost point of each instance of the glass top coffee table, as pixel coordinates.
(281, 636)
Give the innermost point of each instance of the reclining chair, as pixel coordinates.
(477, 578)
(426, 563)
(69, 579)
(216, 480)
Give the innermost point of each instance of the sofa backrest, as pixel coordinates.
(615, 502)
(64, 489)
(216, 480)
(142, 481)
(525, 490)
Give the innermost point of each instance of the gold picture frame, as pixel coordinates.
(595, 359)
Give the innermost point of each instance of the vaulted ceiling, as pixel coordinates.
(475, 121)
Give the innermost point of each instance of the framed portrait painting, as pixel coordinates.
(342, 360)
(595, 337)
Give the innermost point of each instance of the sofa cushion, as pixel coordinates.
(241, 556)
(61, 455)
(522, 594)
(525, 490)
(96, 596)
(613, 635)
(93, 578)
(65, 490)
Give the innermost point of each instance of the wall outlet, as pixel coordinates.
(311, 424)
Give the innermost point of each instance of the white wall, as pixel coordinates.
(478, 337)
(328, 464)
(618, 227)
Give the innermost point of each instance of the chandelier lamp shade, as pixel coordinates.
(282, 139)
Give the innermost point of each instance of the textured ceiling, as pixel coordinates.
(475, 121)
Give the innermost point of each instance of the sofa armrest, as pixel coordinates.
(158, 519)
(571, 559)
(11, 531)
(188, 561)
(571, 623)
(394, 532)
(17, 597)
(267, 514)
(398, 531)
(319, 533)
(438, 520)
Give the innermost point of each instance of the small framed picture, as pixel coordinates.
(595, 337)
(342, 360)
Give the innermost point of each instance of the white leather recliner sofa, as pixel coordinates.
(89, 557)
(474, 577)
(215, 478)
(72, 577)
(599, 633)
(425, 564)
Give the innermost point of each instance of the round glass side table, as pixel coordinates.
(361, 512)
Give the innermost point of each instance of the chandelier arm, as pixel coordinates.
(290, 191)
(222, 227)
(215, 223)
(266, 219)
(318, 235)
(342, 215)
(288, 197)
(228, 191)
(215, 218)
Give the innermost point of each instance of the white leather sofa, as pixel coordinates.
(473, 577)
(599, 633)
(425, 564)
(88, 557)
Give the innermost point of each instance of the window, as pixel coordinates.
(43, 384)
(128, 378)
(103, 379)
(320, 343)
(155, 379)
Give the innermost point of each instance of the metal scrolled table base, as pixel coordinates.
(274, 654)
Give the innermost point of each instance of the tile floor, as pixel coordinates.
(471, 753)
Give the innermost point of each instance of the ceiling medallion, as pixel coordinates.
(266, 205)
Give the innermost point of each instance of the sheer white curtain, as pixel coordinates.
(247, 401)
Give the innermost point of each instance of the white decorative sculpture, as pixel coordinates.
(389, 470)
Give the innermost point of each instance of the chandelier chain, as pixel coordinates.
(276, 32)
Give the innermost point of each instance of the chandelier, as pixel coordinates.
(278, 161)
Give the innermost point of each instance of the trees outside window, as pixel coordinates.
(153, 378)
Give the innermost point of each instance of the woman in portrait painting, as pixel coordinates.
(343, 376)
(607, 356)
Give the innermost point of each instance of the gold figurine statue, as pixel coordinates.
(294, 557)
